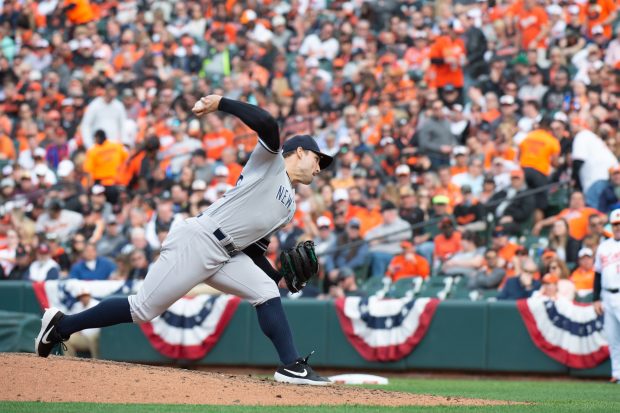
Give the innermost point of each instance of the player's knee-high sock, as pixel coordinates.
(113, 310)
(274, 324)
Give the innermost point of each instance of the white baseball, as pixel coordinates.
(199, 107)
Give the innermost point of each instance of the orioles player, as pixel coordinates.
(223, 246)
(607, 291)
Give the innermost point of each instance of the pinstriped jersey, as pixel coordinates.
(262, 201)
(607, 262)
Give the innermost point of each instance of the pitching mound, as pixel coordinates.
(26, 377)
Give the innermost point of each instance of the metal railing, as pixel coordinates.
(421, 225)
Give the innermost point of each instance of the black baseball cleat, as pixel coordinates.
(300, 372)
(48, 336)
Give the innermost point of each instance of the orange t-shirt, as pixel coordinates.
(400, 267)
(215, 142)
(234, 172)
(530, 23)
(577, 221)
(82, 13)
(596, 14)
(368, 219)
(508, 252)
(7, 147)
(446, 247)
(537, 150)
(509, 154)
(583, 279)
(103, 162)
(443, 74)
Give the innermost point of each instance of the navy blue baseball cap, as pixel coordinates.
(308, 143)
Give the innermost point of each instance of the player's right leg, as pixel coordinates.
(241, 277)
(187, 257)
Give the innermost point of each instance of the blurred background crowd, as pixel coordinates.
(476, 143)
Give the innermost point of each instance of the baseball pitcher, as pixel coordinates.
(224, 247)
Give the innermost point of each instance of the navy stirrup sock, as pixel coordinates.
(274, 325)
(113, 310)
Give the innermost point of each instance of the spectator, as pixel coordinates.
(447, 243)
(59, 221)
(325, 238)
(539, 153)
(468, 260)
(103, 161)
(407, 264)
(350, 253)
(565, 246)
(44, 267)
(92, 267)
(490, 275)
(384, 239)
(469, 214)
(104, 113)
(112, 239)
(435, 137)
(521, 286)
(577, 215)
(139, 265)
(583, 276)
(20, 270)
(513, 206)
(592, 160)
(85, 340)
(609, 198)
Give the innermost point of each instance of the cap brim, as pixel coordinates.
(324, 160)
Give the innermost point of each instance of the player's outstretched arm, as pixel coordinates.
(256, 118)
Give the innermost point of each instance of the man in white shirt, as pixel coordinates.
(592, 160)
(321, 46)
(106, 113)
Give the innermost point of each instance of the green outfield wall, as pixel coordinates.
(464, 335)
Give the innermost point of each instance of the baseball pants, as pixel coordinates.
(190, 255)
(611, 307)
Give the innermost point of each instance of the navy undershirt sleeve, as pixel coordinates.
(256, 118)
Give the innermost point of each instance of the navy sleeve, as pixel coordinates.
(256, 118)
(596, 294)
(256, 252)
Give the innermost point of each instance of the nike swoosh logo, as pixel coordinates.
(304, 374)
(44, 340)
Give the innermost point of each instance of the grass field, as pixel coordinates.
(546, 396)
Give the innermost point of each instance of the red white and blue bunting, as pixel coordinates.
(385, 329)
(191, 326)
(187, 330)
(567, 332)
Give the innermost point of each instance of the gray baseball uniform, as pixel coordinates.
(204, 248)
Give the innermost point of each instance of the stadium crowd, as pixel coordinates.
(450, 123)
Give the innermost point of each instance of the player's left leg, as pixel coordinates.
(241, 277)
(612, 331)
(188, 256)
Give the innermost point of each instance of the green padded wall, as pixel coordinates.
(464, 335)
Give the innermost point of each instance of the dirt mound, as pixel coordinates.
(26, 377)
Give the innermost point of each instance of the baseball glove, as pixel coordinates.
(299, 264)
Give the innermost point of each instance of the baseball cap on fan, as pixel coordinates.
(308, 143)
(614, 217)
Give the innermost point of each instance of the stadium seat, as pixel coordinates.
(405, 286)
(374, 285)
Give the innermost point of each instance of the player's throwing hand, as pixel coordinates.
(206, 104)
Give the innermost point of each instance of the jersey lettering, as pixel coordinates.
(284, 196)
(239, 180)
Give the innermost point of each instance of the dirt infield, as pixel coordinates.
(26, 377)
